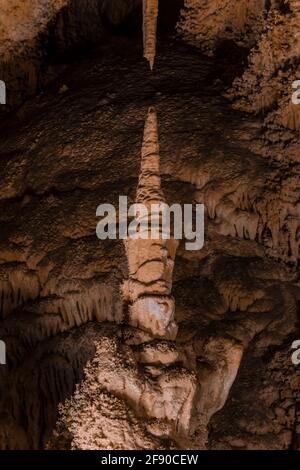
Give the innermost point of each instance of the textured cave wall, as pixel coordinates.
(270, 31)
(38, 39)
(266, 86)
(208, 23)
(228, 374)
(33, 35)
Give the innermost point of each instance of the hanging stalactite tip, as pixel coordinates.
(150, 14)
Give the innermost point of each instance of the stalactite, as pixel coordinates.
(150, 10)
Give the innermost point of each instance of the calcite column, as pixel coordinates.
(151, 261)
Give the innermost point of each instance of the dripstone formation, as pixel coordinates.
(98, 353)
(151, 262)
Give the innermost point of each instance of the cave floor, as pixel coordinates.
(77, 145)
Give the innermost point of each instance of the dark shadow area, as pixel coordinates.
(230, 62)
(169, 12)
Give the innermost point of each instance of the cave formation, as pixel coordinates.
(142, 344)
(150, 14)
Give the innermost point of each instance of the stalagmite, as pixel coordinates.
(151, 261)
(150, 11)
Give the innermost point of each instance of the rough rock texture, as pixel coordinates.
(23, 21)
(38, 39)
(138, 394)
(266, 86)
(237, 306)
(150, 13)
(34, 34)
(270, 30)
(208, 23)
(150, 256)
(79, 362)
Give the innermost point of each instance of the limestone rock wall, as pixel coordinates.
(270, 30)
(150, 261)
(208, 23)
(266, 86)
(70, 341)
(30, 30)
(138, 393)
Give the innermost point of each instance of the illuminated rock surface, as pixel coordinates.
(69, 341)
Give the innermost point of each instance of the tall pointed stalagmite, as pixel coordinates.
(149, 187)
(151, 261)
(150, 14)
